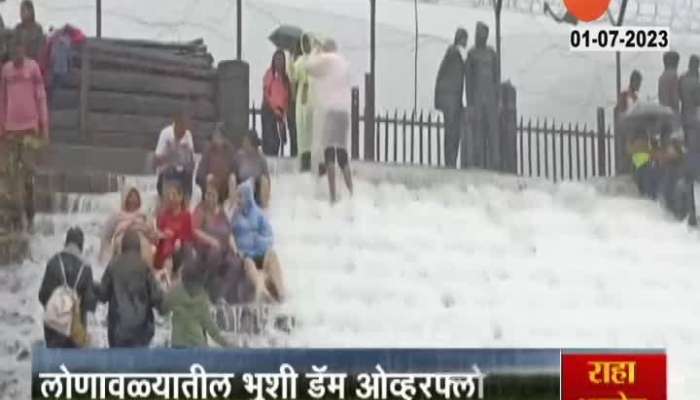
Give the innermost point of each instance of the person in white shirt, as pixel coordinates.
(330, 72)
(174, 155)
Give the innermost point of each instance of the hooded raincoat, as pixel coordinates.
(136, 220)
(304, 100)
(251, 229)
(132, 293)
(331, 74)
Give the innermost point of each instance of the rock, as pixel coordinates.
(14, 248)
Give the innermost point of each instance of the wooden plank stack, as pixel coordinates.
(121, 93)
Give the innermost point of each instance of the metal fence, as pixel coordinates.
(543, 148)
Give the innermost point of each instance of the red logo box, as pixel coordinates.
(613, 376)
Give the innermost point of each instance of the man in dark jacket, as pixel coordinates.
(71, 257)
(449, 94)
(668, 82)
(132, 292)
(482, 99)
(689, 86)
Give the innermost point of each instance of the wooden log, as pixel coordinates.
(112, 61)
(145, 84)
(120, 103)
(65, 99)
(138, 124)
(85, 84)
(154, 55)
(65, 120)
(192, 45)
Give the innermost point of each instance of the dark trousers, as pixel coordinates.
(487, 135)
(647, 178)
(292, 127)
(274, 135)
(453, 134)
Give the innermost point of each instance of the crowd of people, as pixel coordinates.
(181, 261)
(662, 154)
(470, 73)
(307, 99)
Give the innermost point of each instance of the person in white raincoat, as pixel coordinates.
(330, 72)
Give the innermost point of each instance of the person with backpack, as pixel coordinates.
(132, 293)
(67, 293)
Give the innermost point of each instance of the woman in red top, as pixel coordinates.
(277, 93)
(174, 229)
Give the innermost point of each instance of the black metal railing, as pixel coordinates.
(543, 148)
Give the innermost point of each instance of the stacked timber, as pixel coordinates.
(121, 93)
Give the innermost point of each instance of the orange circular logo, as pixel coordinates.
(587, 10)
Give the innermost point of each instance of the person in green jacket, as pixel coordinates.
(189, 303)
(304, 107)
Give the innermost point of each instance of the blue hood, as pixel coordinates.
(251, 228)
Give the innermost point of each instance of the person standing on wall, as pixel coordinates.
(668, 88)
(24, 123)
(30, 30)
(449, 95)
(689, 87)
(482, 98)
(277, 92)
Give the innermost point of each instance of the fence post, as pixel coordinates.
(601, 142)
(508, 131)
(369, 118)
(355, 123)
(85, 71)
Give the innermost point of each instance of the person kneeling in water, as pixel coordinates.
(253, 234)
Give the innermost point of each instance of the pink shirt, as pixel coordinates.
(22, 98)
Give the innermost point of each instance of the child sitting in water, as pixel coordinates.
(174, 230)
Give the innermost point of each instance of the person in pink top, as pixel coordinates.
(24, 122)
(277, 94)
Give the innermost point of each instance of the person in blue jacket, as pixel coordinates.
(254, 237)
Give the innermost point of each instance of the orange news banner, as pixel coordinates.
(614, 376)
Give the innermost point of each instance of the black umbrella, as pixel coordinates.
(286, 37)
(644, 116)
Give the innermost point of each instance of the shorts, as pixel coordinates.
(333, 153)
(336, 127)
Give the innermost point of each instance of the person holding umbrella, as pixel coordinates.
(277, 94)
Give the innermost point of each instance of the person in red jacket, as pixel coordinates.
(277, 92)
(174, 229)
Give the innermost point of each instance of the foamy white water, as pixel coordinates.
(476, 260)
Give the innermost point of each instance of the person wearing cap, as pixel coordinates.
(216, 164)
(174, 154)
(68, 267)
(250, 163)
